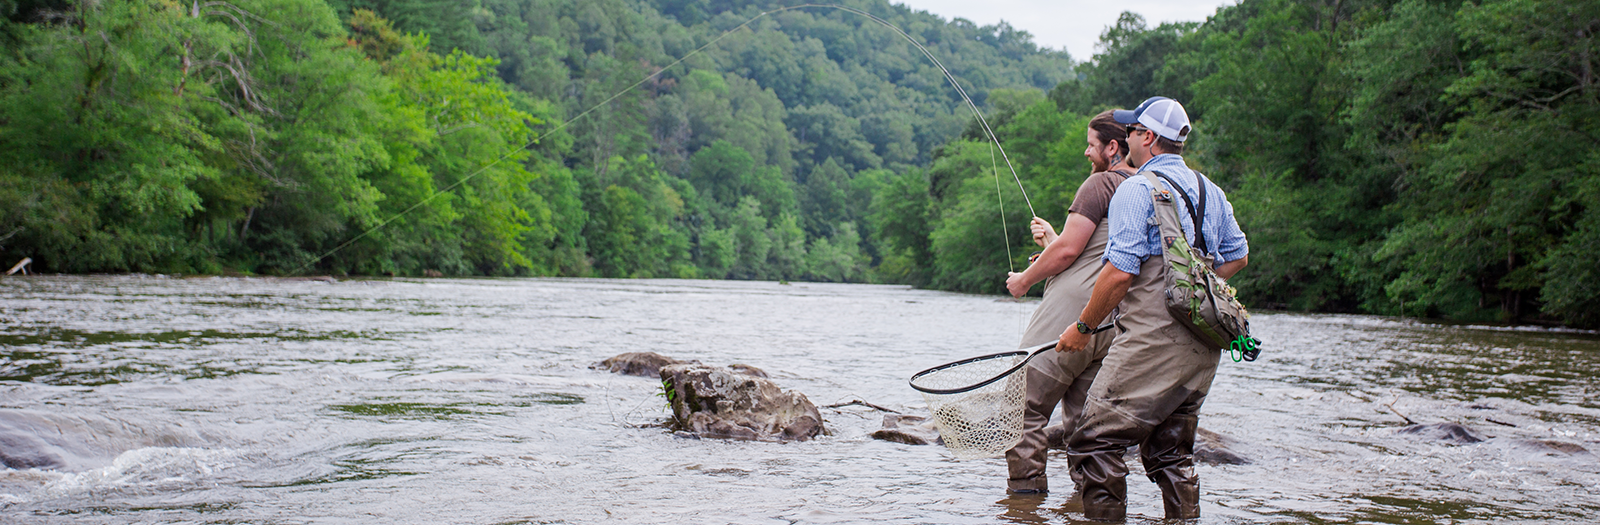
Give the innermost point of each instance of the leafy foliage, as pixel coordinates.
(1416, 157)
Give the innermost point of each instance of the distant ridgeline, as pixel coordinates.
(1414, 158)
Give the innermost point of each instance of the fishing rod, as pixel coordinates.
(948, 76)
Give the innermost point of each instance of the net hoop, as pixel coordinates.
(981, 414)
(971, 360)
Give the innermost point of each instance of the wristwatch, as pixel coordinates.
(1084, 328)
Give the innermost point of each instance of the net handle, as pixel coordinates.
(985, 382)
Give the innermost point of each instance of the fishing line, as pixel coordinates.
(1022, 319)
(1004, 231)
(948, 76)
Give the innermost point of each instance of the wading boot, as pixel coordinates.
(1168, 456)
(1103, 486)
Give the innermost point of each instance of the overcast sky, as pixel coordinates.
(1071, 24)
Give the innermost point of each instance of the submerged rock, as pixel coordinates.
(642, 364)
(1212, 448)
(1452, 433)
(74, 443)
(24, 451)
(910, 430)
(719, 402)
(1550, 447)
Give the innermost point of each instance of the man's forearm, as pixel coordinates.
(1227, 269)
(1056, 257)
(1063, 251)
(1109, 289)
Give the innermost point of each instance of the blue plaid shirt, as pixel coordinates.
(1135, 235)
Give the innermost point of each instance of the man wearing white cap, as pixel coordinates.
(1157, 374)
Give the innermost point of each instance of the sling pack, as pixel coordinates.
(1200, 299)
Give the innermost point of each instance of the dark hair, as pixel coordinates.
(1172, 146)
(1107, 130)
(1168, 146)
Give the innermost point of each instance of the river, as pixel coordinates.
(212, 400)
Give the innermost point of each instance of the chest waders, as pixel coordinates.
(1148, 393)
(1057, 378)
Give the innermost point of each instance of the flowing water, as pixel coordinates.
(150, 399)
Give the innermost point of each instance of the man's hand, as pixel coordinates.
(1109, 289)
(1072, 340)
(1043, 232)
(1016, 285)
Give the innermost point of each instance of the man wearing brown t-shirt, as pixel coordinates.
(1069, 265)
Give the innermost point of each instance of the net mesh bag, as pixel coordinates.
(977, 403)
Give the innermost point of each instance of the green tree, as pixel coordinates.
(727, 173)
(1133, 60)
(635, 221)
(837, 258)
(752, 243)
(1516, 220)
(901, 225)
(448, 24)
(824, 198)
(787, 259)
(970, 238)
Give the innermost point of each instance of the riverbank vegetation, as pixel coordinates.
(1433, 158)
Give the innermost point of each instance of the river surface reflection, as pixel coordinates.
(155, 399)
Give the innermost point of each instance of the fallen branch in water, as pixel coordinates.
(862, 403)
(22, 266)
(1491, 420)
(1397, 412)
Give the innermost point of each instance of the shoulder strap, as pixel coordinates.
(1199, 235)
(1200, 220)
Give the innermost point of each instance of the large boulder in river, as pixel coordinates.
(719, 402)
(642, 364)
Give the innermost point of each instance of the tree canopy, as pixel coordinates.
(1412, 157)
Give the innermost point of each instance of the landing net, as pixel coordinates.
(977, 403)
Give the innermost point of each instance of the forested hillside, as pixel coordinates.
(258, 136)
(1432, 158)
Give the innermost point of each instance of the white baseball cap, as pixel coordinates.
(1162, 115)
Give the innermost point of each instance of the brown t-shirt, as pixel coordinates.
(1094, 196)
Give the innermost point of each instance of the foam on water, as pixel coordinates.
(139, 470)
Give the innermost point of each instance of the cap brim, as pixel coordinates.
(1123, 116)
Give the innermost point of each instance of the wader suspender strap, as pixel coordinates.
(1197, 218)
(1200, 219)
